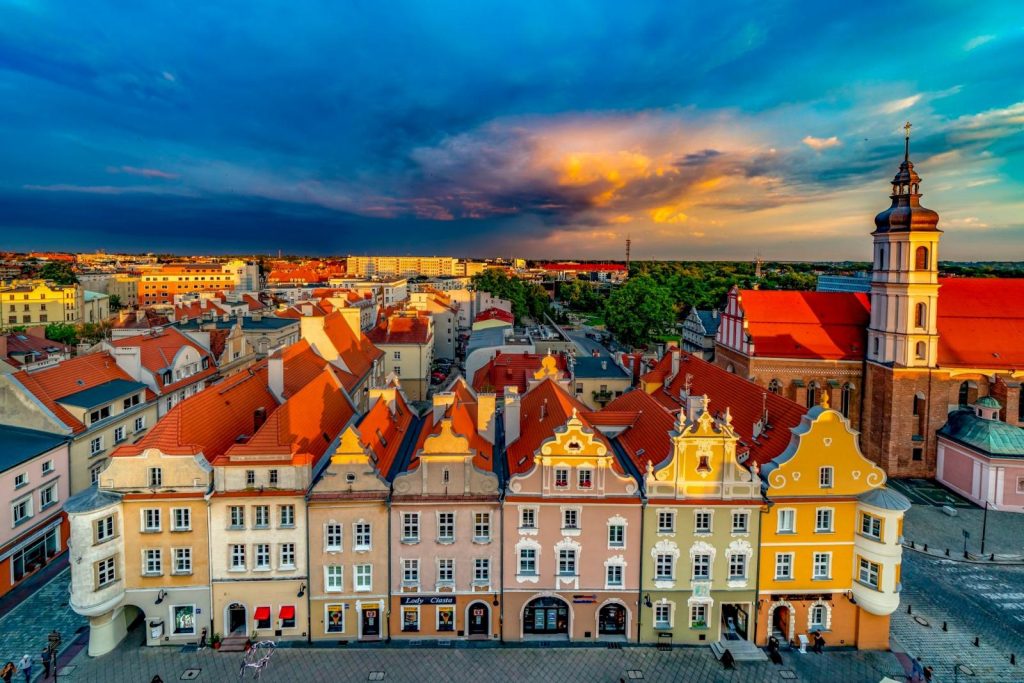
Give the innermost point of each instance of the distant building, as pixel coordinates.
(493, 317)
(597, 380)
(699, 330)
(159, 285)
(407, 341)
(403, 266)
(845, 283)
(598, 272)
(95, 307)
(39, 302)
(30, 350)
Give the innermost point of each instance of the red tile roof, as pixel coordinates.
(647, 438)
(585, 267)
(786, 324)
(463, 414)
(495, 314)
(403, 329)
(302, 364)
(981, 323)
(354, 349)
(218, 342)
(158, 350)
(746, 401)
(511, 370)
(23, 343)
(253, 303)
(383, 428)
(70, 377)
(544, 409)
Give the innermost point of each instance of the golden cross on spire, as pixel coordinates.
(906, 127)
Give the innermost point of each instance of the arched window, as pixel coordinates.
(921, 315)
(921, 350)
(920, 412)
(846, 399)
(921, 258)
(775, 386)
(813, 391)
(968, 392)
(881, 258)
(877, 342)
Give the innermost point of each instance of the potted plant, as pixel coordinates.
(215, 641)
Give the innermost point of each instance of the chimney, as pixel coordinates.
(387, 394)
(513, 409)
(485, 407)
(714, 312)
(3, 349)
(544, 409)
(675, 363)
(259, 416)
(604, 365)
(694, 407)
(441, 403)
(351, 316)
(307, 309)
(257, 316)
(275, 376)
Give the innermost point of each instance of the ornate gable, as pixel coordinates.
(573, 439)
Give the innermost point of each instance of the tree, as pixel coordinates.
(59, 272)
(65, 333)
(115, 302)
(93, 333)
(527, 300)
(639, 310)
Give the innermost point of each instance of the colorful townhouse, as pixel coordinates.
(572, 523)
(34, 481)
(89, 399)
(445, 513)
(347, 508)
(829, 551)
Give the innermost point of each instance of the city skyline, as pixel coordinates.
(485, 131)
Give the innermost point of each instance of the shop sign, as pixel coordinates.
(584, 599)
(428, 600)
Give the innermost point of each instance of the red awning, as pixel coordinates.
(262, 613)
(287, 612)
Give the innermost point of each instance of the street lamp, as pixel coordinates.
(984, 525)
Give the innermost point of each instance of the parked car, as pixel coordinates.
(437, 377)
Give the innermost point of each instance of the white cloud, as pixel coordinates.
(819, 144)
(978, 41)
(168, 76)
(899, 105)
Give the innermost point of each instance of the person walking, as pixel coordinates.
(916, 670)
(25, 667)
(928, 672)
(45, 658)
(7, 672)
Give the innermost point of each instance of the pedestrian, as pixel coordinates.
(916, 670)
(44, 657)
(928, 672)
(25, 667)
(728, 661)
(202, 639)
(7, 672)
(157, 679)
(819, 643)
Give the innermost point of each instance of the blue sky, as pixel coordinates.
(536, 129)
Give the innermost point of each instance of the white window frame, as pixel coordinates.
(334, 578)
(737, 560)
(700, 516)
(783, 514)
(261, 551)
(568, 562)
(698, 615)
(780, 564)
(482, 527)
(182, 561)
(482, 570)
(232, 509)
(701, 561)
(826, 477)
(819, 561)
(334, 537)
(286, 556)
(260, 516)
(869, 569)
(445, 570)
(745, 516)
(286, 516)
(363, 581)
(410, 527)
(361, 534)
(571, 519)
(152, 562)
(106, 572)
(411, 571)
(661, 561)
(874, 525)
(670, 517)
(525, 512)
(532, 560)
(445, 527)
(614, 568)
(186, 514)
(585, 479)
(617, 530)
(561, 478)
(829, 514)
(662, 615)
(47, 496)
(236, 552)
(96, 445)
(151, 521)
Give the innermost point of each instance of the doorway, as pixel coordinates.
(611, 620)
(371, 623)
(479, 620)
(734, 621)
(236, 619)
(780, 623)
(546, 616)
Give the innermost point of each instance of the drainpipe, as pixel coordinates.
(761, 515)
(501, 562)
(209, 546)
(640, 578)
(309, 577)
(388, 606)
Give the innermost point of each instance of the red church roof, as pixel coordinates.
(825, 325)
(981, 323)
(511, 370)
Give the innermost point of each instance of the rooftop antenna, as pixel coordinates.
(629, 243)
(758, 262)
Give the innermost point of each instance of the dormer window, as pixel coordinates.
(561, 478)
(584, 479)
(574, 446)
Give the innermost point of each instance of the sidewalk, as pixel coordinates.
(23, 590)
(1004, 532)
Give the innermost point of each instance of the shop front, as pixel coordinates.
(348, 618)
(788, 616)
(570, 616)
(30, 553)
(261, 609)
(474, 617)
(172, 616)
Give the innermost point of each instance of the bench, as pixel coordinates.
(949, 510)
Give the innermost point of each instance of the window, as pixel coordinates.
(96, 446)
(262, 556)
(250, 477)
(183, 560)
(527, 562)
(48, 496)
(119, 434)
(921, 315)
(482, 527)
(446, 570)
(104, 529)
(482, 570)
(666, 522)
(182, 518)
(527, 518)
(445, 528)
(237, 557)
(411, 571)
(845, 399)
(152, 566)
(364, 536)
(737, 566)
(287, 556)
(410, 618)
(151, 519)
(662, 615)
(613, 575)
(106, 572)
(140, 423)
(823, 520)
(130, 401)
(775, 386)
(571, 519)
(21, 510)
(156, 477)
(47, 467)
(783, 565)
(822, 566)
(698, 615)
(616, 536)
(99, 414)
(701, 566)
(261, 516)
(411, 527)
(287, 616)
(813, 391)
(583, 479)
(869, 573)
(287, 516)
(561, 478)
(398, 355)
(740, 522)
(663, 567)
(567, 562)
(237, 515)
(825, 477)
(334, 618)
(871, 526)
(702, 522)
(445, 618)
(920, 351)
(273, 477)
(332, 537)
(818, 617)
(787, 521)
(364, 577)
(333, 579)
(917, 454)
(921, 258)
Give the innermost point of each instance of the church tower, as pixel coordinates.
(904, 278)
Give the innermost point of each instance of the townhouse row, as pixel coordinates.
(272, 508)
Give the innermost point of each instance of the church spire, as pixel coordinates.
(906, 213)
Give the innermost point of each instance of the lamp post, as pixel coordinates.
(984, 526)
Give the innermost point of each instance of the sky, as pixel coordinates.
(537, 129)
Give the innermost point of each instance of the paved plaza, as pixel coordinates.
(25, 628)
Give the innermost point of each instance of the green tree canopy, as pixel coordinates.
(59, 272)
(65, 333)
(528, 299)
(639, 310)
